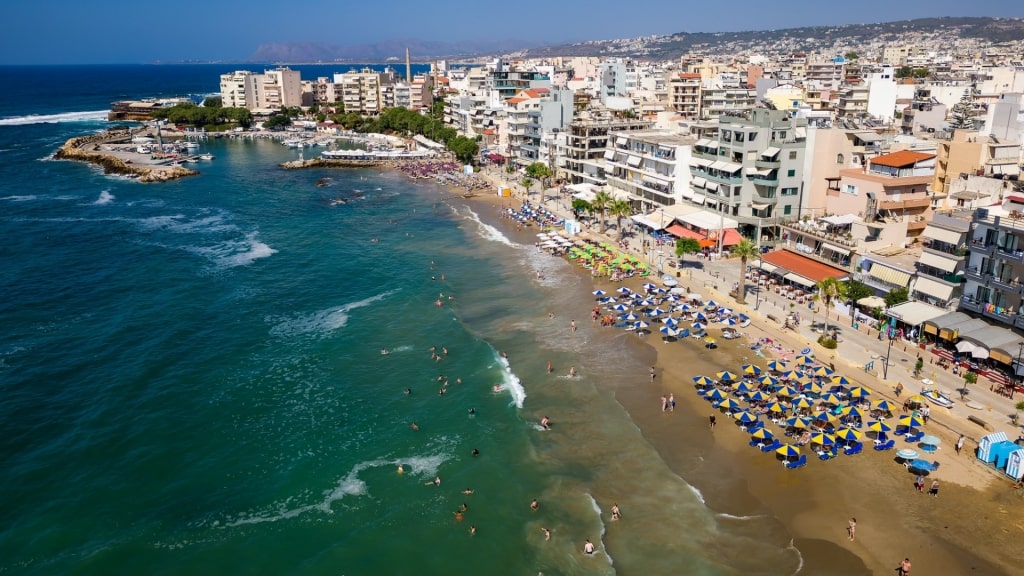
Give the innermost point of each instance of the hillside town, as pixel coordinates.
(895, 165)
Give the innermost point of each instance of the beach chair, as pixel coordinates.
(885, 445)
(775, 445)
(855, 448)
(915, 438)
(755, 443)
(798, 463)
(827, 454)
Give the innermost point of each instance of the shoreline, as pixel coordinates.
(88, 149)
(814, 503)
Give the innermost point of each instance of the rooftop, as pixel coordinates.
(802, 265)
(901, 159)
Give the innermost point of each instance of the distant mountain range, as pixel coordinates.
(664, 47)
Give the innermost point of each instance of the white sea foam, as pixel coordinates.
(600, 520)
(488, 232)
(323, 322)
(697, 493)
(231, 253)
(799, 557)
(511, 382)
(66, 197)
(181, 224)
(23, 198)
(349, 485)
(92, 116)
(105, 198)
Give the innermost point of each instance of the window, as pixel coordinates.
(792, 156)
(739, 137)
(791, 172)
(751, 136)
(851, 189)
(787, 210)
(789, 191)
(840, 159)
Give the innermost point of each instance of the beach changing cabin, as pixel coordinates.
(995, 449)
(1015, 464)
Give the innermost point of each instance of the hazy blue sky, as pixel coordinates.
(119, 31)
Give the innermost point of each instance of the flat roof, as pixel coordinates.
(802, 265)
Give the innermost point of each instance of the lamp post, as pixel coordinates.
(1013, 381)
(757, 283)
(890, 332)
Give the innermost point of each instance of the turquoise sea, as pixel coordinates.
(191, 379)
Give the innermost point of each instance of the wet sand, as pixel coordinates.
(972, 527)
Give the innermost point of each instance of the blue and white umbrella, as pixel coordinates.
(807, 352)
(620, 307)
(668, 331)
(648, 286)
(711, 304)
(624, 290)
(609, 300)
(673, 298)
(685, 308)
(599, 292)
(660, 290)
(726, 311)
(671, 322)
(641, 324)
(698, 326)
(630, 317)
(700, 316)
(646, 303)
(657, 312)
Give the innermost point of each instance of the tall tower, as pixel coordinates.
(408, 66)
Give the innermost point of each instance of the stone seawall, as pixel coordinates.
(87, 149)
(332, 163)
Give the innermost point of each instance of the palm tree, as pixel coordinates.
(601, 202)
(830, 290)
(619, 209)
(746, 250)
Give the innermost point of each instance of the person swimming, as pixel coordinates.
(401, 470)
(384, 352)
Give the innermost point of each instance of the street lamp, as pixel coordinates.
(890, 332)
(1013, 381)
(757, 283)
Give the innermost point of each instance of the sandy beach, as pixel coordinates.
(971, 527)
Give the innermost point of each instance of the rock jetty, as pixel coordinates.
(90, 149)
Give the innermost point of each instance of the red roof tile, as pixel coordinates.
(802, 265)
(901, 158)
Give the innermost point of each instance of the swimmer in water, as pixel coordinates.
(549, 367)
(468, 491)
(496, 388)
(547, 534)
(458, 516)
(415, 426)
(472, 530)
(534, 505)
(408, 391)
(384, 352)
(475, 452)
(572, 371)
(545, 423)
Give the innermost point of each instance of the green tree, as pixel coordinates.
(620, 209)
(539, 171)
(830, 290)
(961, 116)
(896, 296)
(969, 378)
(580, 205)
(526, 183)
(746, 250)
(465, 149)
(600, 203)
(686, 246)
(213, 102)
(851, 56)
(276, 122)
(856, 290)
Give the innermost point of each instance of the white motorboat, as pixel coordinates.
(206, 156)
(189, 145)
(935, 397)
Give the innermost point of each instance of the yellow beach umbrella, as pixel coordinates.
(848, 434)
(803, 403)
(860, 392)
(776, 407)
(831, 399)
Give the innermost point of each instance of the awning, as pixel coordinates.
(585, 195)
(731, 237)
(936, 261)
(766, 267)
(809, 268)
(702, 162)
(800, 131)
(987, 338)
(732, 167)
(835, 249)
(759, 172)
(1005, 169)
(653, 220)
(683, 232)
(699, 181)
(933, 288)
(620, 140)
(843, 220)
(872, 302)
(713, 144)
(698, 199)
(759, 205)
(889, 275)
(942, 235)
(953, 332)
(713, 186)
(609, 154)
(770, 152)
(915, 313)
(1006, 352)
(703, 142)
(704, 220)
(634, 161)
(798, 279)
(719, 164)
(935, 324)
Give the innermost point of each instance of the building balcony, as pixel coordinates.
(973, 273)
(904, 204)
(947, 251)
(970, 304)
(767, 164)
(730, 180)
(765, 181)
(1005, 285)
(980, 247)
(918, 225)
(837, 239)
(1015, 256)
(990, 312)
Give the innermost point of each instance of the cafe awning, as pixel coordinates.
(942, 235)
(915, 313)
(935, 324)
(798, 279)
(953, 331)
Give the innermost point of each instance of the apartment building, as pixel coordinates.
(238, 89)
(586, 141)
(752, 170)
(940, 269)
(532, 116)
(648, 165)
(995, 264)
(684, 94)
(715, 102)
(366, 91)
(853, 101)
(272, 90)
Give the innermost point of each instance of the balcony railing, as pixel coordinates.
(975, 274)
(980, 247)
(1010, 255)
(904, 204)
(829, 237)
(970, 304)
(760, 163)
(945, 250)
(765, 181)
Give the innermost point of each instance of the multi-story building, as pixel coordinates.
(853, 101)
(940, 269)
(684, 94)
(826, 74)
(586, 144)
(995, 264)
(649, 165)
(618, 79)
(324, 93)
(960, 154)
(891, 188)
(238, 89)
(363, 91)
(272, 90)
(532, 116)
(752, 171)
(715, 102)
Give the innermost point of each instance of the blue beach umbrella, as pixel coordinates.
(823, 439)
(841, 380)
(730, 405)
(698, 326)
(884, 405)
(859, 392)
(788, 451)
(790, 375)
(768, 381)
(806, 360)
(703, 381)
(798, 422)
(641, 324)
(624, 290)
(631, 316)
(711, 305)
(670, 322)
(750, 369)
(848, 434)
(745, 417)
(620, 307)
(730, 322)
(758, 396)
(648, 286)
(821, 371)
(762, 434)
(879, 427)
(742, 388)
(668, 331)
(727, 376)
(599, 292)
(777, 365)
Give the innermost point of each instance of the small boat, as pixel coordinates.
(338, 202)
(321, 183)
(937, 398)
(206, 156)
(189, 145)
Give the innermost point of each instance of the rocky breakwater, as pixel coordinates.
(331, 163)
(121, 162)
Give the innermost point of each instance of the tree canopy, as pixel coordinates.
(686, 246)
(200, 116)
(855, 290)
(961, 116)
(896, 296)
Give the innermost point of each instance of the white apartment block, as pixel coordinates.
(269, 91)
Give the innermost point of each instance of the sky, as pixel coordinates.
(122, 31)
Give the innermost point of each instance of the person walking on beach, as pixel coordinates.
(651, 371)
(934, 490)
(904, 568)
(572, 326)
(711, 421)
(919, 483)
(671, 402)
(959, 444)
(616, 513)
(851, 529)
(898, 389)
(664, 403)
(550, 370)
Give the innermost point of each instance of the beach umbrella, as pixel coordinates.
(609, 300)
(823, 439)
(790, 375)
(758, 396)
(656, 312)
(599, 292)
(786, 391)
(725, 311)
(742, 388)
(879, 427)
(716, 394)
(631, 316)
(750, 369)
(700, 316)
(884, 405)
(670, 322)
(624, 290)
(662, 290)
(826, 418)
(542, 235)
(703, 381)
(841, 380)
(798, 422)
(776, 407)
(685, 307)
(646, 303)
(730, 405)
(727, 376)
(745, 417)
(789, 451)
(620, 307)
(668, 331)
(930, 440)
(648, 286)
(821, 371)
(916, 399)
(641, 324)
(803, 403)
(859, 392)
(853, 412)
(730, 322)
(672, 298)
(711, 304)
(803, 360)
(831, 399)
(921, 465)
(698, 326)
(710, 342)
(777, 365)
(848, 434)
(762, 434)
(768, 381)
(811, 388)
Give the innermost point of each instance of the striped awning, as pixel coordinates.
(933, 288)
(889, 275)
(936, 261)
(835, 248)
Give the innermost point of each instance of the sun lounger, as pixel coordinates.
(798, 463)
(885, 445)
(775, 445)
(756, 443)
(827, 455)
(855, 448)
(915, 438)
